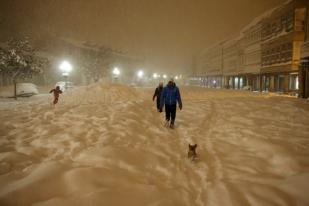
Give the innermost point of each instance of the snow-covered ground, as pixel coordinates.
(106, 145)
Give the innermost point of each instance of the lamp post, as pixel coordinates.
(155, 75)
(66, 68)
(116, 73)
(140, 74)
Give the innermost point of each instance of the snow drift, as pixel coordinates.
(105, 144)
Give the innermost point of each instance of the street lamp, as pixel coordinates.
(66, 68)
(140, 73)
(116, 72)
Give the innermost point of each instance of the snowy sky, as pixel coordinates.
(168, 33)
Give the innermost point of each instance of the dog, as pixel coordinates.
(192, 152)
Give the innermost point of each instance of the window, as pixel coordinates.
(294, 84)
(289, 22)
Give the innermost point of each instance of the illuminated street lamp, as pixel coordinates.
(140, 73)
(66, 68)
(116, 72)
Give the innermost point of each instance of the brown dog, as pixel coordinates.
(192, 152)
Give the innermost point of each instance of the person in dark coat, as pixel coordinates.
(56, 92)
(170, 97)
(157, 94)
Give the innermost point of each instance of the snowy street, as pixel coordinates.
(105, 141)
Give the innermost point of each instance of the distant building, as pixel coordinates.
(251, 46)
(231, 64)
(266, 54)
(209, 64)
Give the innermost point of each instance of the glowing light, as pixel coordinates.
(214, 81)
(116, 71)
(155, 75)
(164, 76)
(176, 77)
(140, 73)
(65, 67)
(296, 83)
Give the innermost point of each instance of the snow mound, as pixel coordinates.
(106, 144)
(100, 93)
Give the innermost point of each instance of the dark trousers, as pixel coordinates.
(170, 112)
(55, 100)
(158, 103)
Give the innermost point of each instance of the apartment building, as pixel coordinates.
(266, 55)
(283, 32)
(251, 45)
(208, 72)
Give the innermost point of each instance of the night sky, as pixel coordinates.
(167, 33)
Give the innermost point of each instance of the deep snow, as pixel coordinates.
(106, 145)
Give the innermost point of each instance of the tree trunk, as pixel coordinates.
(15, 89)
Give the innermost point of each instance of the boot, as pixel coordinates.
(172, 124)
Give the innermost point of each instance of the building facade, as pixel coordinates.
(251, 45)
(266, 55)
(231, 64)
(283, 32)
(304, 69)
(208, 72)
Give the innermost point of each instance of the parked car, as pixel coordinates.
(65, 85)
(26, 89)
(22, 90)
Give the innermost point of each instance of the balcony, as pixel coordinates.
(305, 50)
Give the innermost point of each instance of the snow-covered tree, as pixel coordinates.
(3, 60)
(18, 60)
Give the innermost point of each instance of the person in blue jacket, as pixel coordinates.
(170, 97)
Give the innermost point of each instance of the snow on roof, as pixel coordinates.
(282, 33)
(233, 40)
(254, 22)
(266, 14)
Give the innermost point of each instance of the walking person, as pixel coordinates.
(170, 97)
(56, 92)
(157, 94)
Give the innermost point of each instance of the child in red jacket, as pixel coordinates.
(56, 92)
